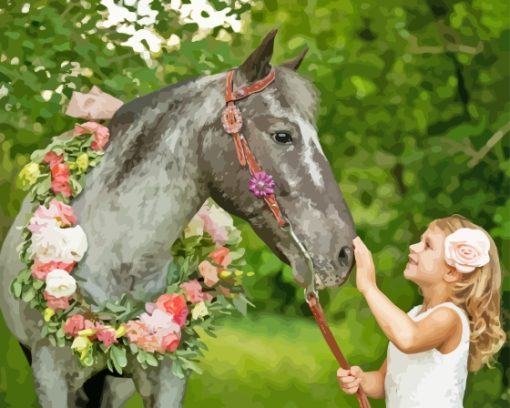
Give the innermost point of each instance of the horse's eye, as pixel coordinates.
(282, 137)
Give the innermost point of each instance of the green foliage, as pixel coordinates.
(414, 120)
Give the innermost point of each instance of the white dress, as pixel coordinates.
(429, 378)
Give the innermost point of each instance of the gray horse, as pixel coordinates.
(168, 153)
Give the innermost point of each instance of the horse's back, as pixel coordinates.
(17, 315)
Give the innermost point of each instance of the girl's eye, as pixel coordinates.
(282, 137)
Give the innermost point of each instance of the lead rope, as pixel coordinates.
(232, 122)
(312, 298)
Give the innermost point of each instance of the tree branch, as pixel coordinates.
(493, 140)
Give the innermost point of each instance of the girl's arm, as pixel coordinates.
(406, 334)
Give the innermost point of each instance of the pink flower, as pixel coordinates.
(193, 291)
(216, 222)
(53, 158)
(74, 324)
(159, 320)
(136, 330)
(221, 256)
(57, 212)
(170, 342)
(40, 270)
(60, 179)
(150, 343)
(175, 305)
(100, 132)
(466, 249)
(61, 303)
(106, 334)
(209, 272)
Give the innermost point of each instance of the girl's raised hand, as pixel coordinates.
(349, 380)
(365, 270)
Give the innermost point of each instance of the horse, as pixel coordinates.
(168, 153)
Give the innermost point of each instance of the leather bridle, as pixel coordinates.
(232, 122)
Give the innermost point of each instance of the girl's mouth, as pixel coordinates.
(412, 261)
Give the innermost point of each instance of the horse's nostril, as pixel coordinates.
(345, 256)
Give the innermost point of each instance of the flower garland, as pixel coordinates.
(204, 280)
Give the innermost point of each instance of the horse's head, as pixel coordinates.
(279, 126)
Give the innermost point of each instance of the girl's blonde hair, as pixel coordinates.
(478, 293)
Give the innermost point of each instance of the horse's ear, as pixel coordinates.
(257, 64)
(296, 62)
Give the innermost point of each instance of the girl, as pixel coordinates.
(456, 267)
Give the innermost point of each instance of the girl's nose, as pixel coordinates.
(415, 248)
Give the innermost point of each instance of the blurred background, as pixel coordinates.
(414, 120)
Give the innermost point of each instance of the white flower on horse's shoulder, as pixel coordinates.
(59, 244)
(60, 284)
(466, 249)
(200, 310)
(217, 222)
(194, 228)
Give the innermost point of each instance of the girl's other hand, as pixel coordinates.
(349, 380)
(365, 270)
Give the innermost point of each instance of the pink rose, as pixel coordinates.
(61, 303)
(175, 305)
(100, 132)
(136, 330)
(53, 158)
(216, 222)
(466, 249)
(74, 324)
(106, 334)
(150, 343)
(40, 270)
(170, 342)
(221, 256)
(193, 291)
(60, 179)
(209, 272)
(57, 212)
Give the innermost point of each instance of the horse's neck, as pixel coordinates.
(132, 217)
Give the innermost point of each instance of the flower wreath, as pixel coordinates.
(204, 279)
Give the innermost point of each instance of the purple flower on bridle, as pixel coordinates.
(261, 184)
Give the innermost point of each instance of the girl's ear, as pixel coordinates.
(452, 275)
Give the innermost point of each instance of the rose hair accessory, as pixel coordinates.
(466, 249)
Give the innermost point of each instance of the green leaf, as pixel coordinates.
(28, 294)
(118, 356)
(76, 186)
(16, 288)
(177, 369)
(151, 360)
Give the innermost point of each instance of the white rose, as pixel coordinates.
(75, 243)
(60, 284)
(53, 243)
(466, 249)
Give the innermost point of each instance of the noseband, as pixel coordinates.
(262, 185)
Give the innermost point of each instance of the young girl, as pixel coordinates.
(457, 328)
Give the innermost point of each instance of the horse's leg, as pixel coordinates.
(158, 386)
(58, 376)
(116, 392)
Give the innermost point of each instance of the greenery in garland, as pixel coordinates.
(204, 279)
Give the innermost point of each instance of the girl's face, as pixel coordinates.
(426, 263)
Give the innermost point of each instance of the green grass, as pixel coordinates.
(258, 361)
(267, 361)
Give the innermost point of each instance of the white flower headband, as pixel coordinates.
(466, 249)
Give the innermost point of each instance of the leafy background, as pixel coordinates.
(414, 120)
